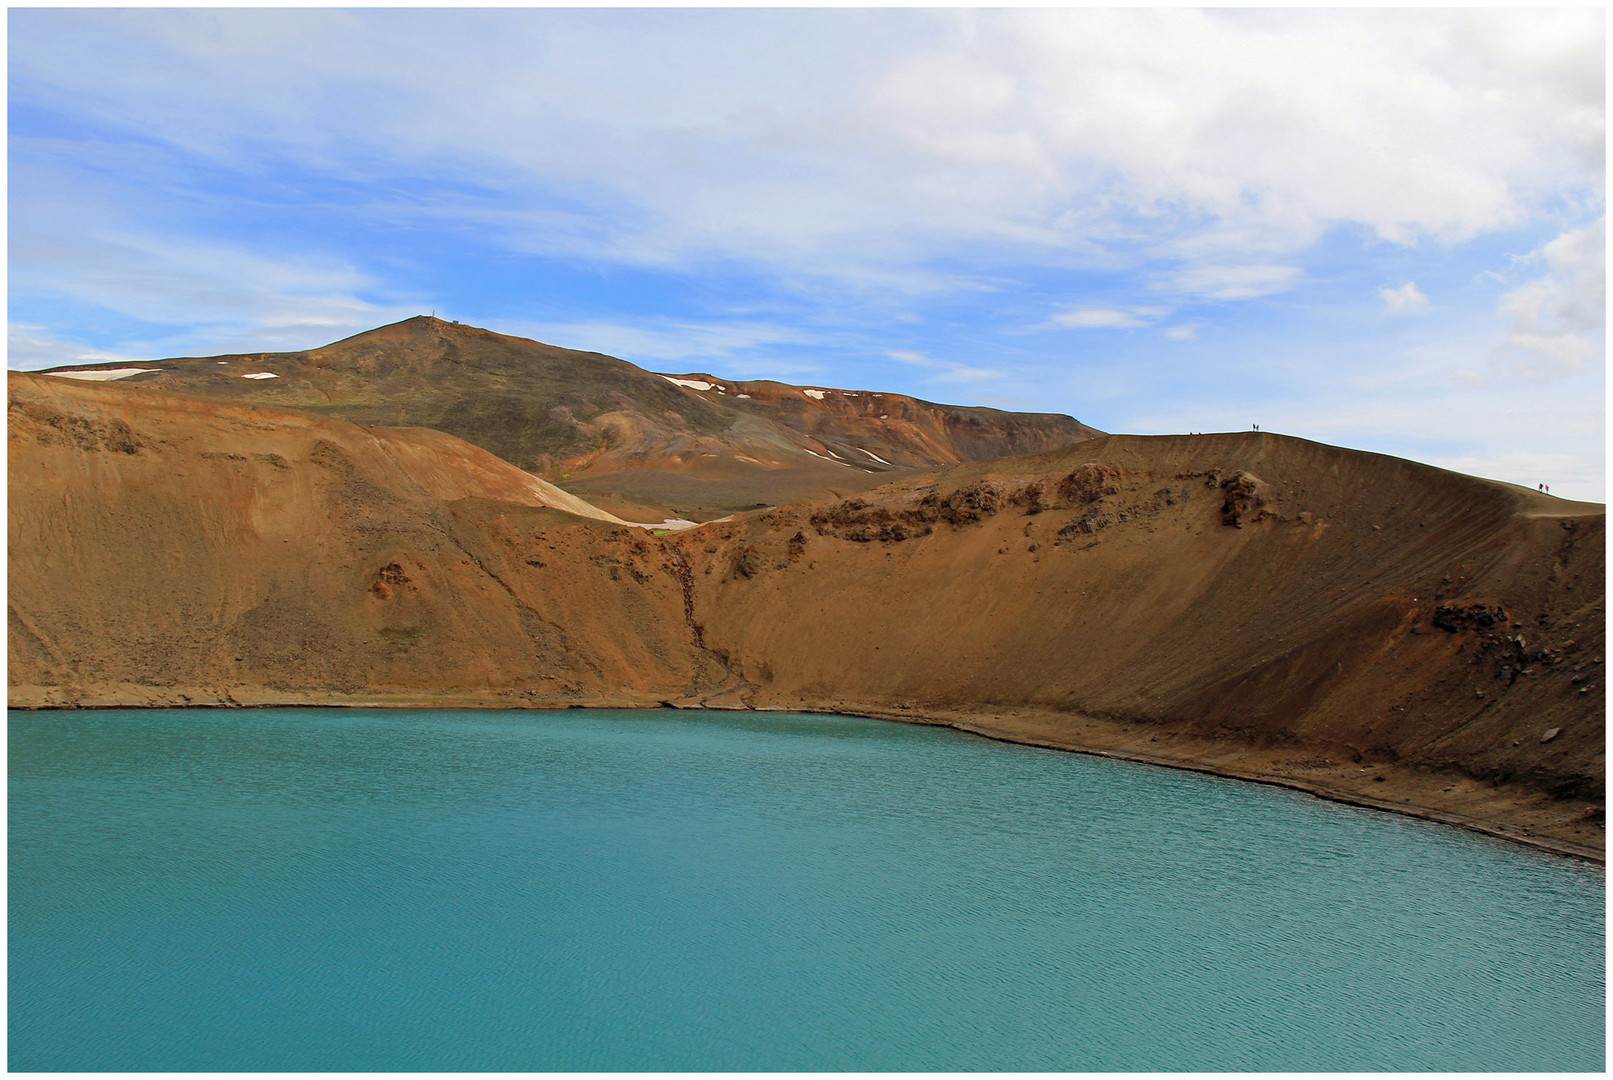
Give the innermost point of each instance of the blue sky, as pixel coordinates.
(1383, 230)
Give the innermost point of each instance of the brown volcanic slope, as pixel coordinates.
(607, 428)
(201, 548)
(1253, 604)
(1262, 602)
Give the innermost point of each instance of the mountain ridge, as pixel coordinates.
(607, 429)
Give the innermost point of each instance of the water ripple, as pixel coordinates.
(378, 890)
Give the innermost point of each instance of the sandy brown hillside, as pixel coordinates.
(166, 549)
(656, 445)
(1254, 604)
(1328, 610)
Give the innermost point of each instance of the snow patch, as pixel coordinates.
(261, 375)
(815, 395)
(693, 384)
(745, 396)
(670, 524)
(105, 375)
(876, 457)
(815, 454)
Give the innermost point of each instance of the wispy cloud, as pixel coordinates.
(1559, 320)
(30, 348)
(1519, 431)
(181, 290)
(946, 371)
(660, 341)
(1405, 299)
(878, 149)
(1090, 318)
(1213, 282)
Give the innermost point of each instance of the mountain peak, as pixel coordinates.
(676, 444)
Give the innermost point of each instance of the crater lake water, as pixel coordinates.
(324, 889)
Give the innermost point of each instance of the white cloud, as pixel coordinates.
(30, 348)
(1559, 320)
(833, 143)
(1404, 300)
(1571, 476)
(1085, 318)
(946, 370)
(665, 340)
(1411, 124)
(1531, 433)
(204, 293)
(1184, 332)
(1212, 282)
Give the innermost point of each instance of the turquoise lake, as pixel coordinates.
(322, 889)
